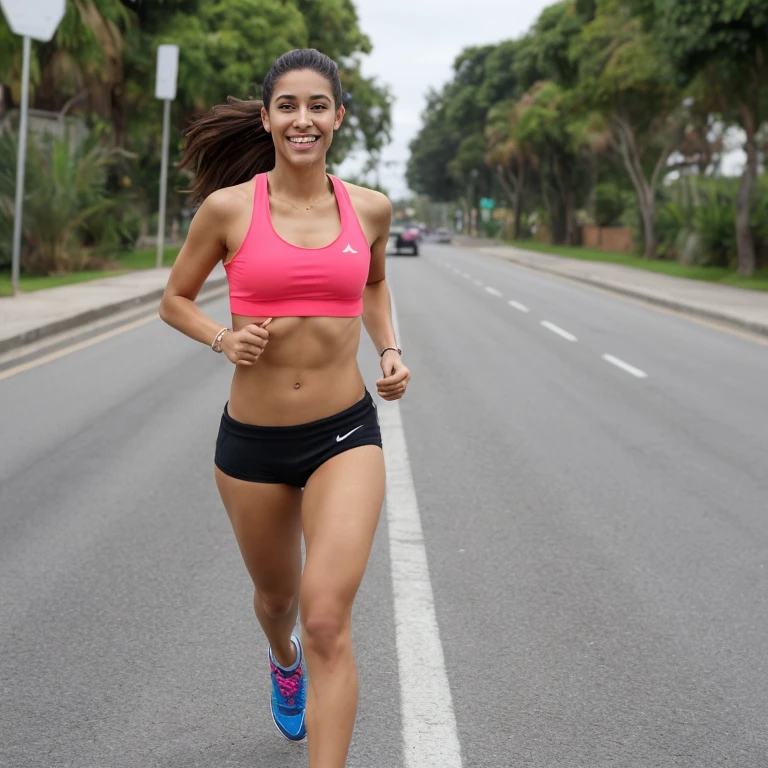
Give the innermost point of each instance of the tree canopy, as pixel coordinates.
(599, 95)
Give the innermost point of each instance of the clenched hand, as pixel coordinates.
(396, 377)
(244, 347)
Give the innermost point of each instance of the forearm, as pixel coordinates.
(377, 315)
(185, 316)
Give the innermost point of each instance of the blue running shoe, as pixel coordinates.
(289, 695)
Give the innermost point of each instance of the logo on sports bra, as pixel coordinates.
(349, 249)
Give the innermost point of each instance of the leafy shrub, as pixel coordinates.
(8, 151)
(715, 224)
(672, 229)
(65, 200)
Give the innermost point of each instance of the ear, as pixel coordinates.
(265, 119)
(339, 118)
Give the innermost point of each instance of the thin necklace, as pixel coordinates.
(288, 202)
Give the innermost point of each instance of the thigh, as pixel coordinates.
(340, 512)
(266, 519)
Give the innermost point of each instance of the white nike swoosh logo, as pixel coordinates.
(349, 249)
(339, 439)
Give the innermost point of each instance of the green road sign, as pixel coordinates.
(487, 203)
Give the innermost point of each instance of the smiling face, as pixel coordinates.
(302, 117)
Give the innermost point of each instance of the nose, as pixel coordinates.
(303, 118)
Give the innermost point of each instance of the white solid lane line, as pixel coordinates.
(517, 305)
(559, 331)
(430, 736)
(493, 291)
(625, 366)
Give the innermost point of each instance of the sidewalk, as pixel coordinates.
(737, 307)
(32, 316)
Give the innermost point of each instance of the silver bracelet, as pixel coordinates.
(216, 346)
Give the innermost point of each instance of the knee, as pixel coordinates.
(274, 605)
(326, 631)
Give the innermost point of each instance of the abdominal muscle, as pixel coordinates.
(308, 371)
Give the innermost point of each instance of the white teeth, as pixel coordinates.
(304, 140)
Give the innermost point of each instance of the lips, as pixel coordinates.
(303, 142)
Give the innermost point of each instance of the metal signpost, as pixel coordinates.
(32, 20)
(165, 89)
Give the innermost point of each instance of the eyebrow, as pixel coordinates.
(312, 98)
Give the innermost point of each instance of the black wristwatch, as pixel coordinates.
(394, 349)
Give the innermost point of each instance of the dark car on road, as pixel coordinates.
(404, 237)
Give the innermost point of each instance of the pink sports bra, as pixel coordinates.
(269, 277)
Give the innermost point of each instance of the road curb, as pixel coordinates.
(83, 318)
(687, 309)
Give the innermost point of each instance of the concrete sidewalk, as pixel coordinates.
(737, 307)
(32, 316)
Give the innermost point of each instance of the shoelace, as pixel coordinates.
(288, 686)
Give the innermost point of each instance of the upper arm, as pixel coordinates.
(205, 246)
(381, 217)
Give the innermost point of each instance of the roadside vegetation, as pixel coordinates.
(612, 114)
(93, 162)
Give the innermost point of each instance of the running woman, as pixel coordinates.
(299, 447)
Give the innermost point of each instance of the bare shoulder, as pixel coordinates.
(225, 203)
(370, 203)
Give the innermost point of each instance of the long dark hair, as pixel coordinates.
(228, 145)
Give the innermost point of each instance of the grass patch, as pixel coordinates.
(721, 275)
(128, 261)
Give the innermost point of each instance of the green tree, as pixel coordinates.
(509, 154)
(432, 150)
(549, 124)
(550, 121)
(101, 66)
(726, 41)
(627, 75)
(447, 158)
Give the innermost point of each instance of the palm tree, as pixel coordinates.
(508, 155)
(82, 64)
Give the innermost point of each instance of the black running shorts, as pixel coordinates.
(291, 454)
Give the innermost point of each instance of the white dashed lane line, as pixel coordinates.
(559, 331)
(551, 326)
(625, 366)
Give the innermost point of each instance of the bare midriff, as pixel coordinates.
(308, 371)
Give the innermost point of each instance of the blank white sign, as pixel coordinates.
(37, 19)
(167, 71)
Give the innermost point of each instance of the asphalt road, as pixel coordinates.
(596, 530)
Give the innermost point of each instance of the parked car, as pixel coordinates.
(404, 237)
(442, 235)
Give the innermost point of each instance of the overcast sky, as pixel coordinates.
(414, 45)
